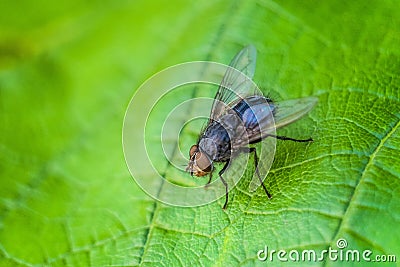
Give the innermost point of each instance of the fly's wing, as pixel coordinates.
(284, 113)
(287, 112)
(292, 110)
(234, 84)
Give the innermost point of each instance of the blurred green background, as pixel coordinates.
(67, 73)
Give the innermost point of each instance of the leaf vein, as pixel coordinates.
(361, 180)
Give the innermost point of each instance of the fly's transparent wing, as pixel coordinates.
(287, 112)
(292, 110)
(284, 113)
(234, 84)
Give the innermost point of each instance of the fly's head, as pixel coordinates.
(199, 163)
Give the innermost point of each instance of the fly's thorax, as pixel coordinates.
(209, 147)
(232, 124)
(219, 138)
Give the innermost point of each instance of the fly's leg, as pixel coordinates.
(291, 139)
(253, 150)
(225, 183)
(209, 180)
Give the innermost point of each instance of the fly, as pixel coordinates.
(240, 117)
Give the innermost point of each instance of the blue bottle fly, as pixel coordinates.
(241, 116)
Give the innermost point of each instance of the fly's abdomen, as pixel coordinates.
(256, 113)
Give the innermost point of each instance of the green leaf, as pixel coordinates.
(68, 71)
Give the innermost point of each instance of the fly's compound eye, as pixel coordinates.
(203, 163)
(193, 150)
